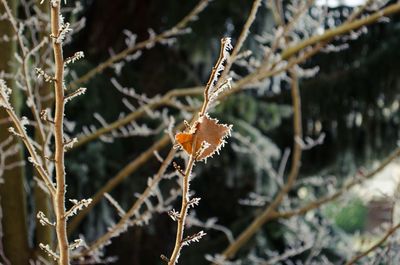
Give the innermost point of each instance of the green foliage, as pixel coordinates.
(265, 116)
(351, 217)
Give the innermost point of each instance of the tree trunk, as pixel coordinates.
(12, 193)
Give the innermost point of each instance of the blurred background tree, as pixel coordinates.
(354, 101)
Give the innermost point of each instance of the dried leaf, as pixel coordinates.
(203, 130)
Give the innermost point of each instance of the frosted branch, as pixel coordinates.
(193, 238)
(44, 220)
(77, 56)
(46, 248)
(76, 93)
(78, 206)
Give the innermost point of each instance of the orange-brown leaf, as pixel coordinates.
(206, 130)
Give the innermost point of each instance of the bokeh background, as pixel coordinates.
(353, 101)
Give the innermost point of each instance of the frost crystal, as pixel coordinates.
(77, 56)
(194, 238)
(4, 95)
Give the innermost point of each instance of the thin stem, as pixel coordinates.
(213, 79)
(390, 232)
(112, 232)
(183, 213)
(31, 149)
(59, 200)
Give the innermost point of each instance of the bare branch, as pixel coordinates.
(380, 242)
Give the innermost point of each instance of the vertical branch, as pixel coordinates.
(59, 200)
(212, 86)
(211, 92)
(183, 213)
(260, 220)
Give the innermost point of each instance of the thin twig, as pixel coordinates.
(390, 232)
(113, 231)
(209, 96)
(183, 212)
(37, 162)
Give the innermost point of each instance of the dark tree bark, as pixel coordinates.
(12, 193)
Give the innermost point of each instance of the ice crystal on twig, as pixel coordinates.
(46, 248)
(78, 206)
(174, 215)
(130, 39)
(193, 238)
(44, 220)
(77, 56)
(193, 202)
(76, 93)
(4, 95)
(210, 92)
(76, 244)
(41, 73)
(45, 115)
(68, 145)
(64, 30)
